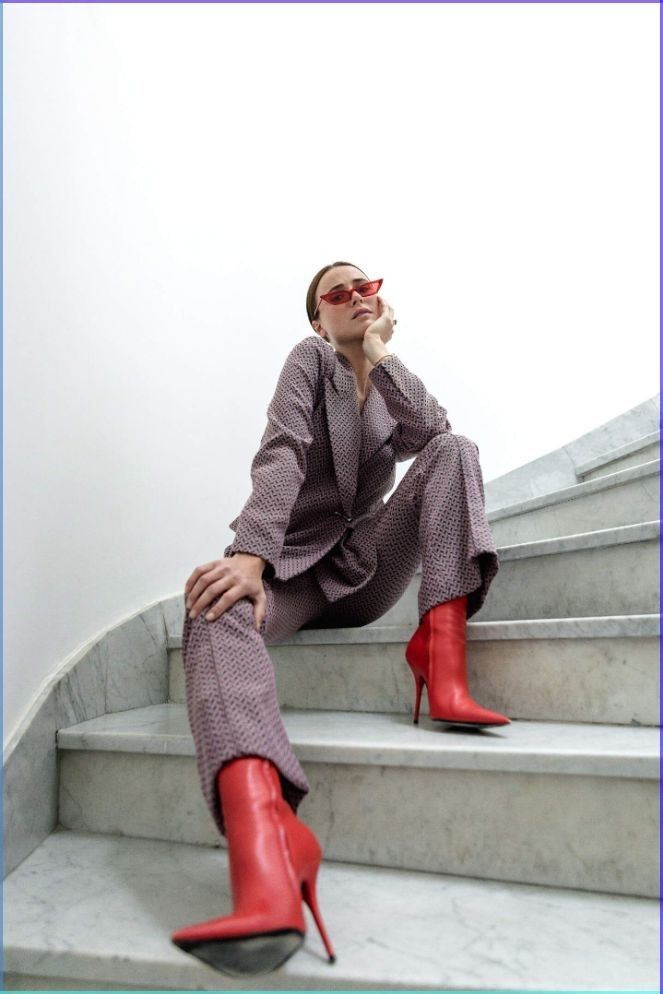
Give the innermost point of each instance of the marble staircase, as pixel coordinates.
(523, 858)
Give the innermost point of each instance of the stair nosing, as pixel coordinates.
(642, 531)
(536, 629)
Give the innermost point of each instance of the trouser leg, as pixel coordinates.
(435, 516)
(459, 556)
(231, 696)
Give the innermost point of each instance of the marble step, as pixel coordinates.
(565, 669)
(565, 805)
(634, 453)
(597, 573)
(627, 497)
(87, 911)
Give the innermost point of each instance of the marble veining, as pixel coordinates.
(125, 667)
(391, 928)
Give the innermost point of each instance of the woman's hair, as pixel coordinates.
(311, 295)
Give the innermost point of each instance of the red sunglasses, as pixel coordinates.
(343, 296)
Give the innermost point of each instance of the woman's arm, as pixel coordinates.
(417, 411)
(278, 468)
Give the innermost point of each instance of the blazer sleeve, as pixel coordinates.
(278, 468)
(418, 413)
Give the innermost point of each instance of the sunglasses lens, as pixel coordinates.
(368, 289)
(342, 296)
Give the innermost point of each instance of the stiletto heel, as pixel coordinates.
(419, 686)
(309, 894)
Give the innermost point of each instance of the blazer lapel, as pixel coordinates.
(378, 426)
(344, 426)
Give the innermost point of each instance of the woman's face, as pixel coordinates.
(342, 324)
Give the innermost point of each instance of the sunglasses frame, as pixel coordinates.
(347, 294)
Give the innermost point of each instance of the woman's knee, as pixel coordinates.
(444, 440)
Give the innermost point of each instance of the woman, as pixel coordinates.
(316, 545)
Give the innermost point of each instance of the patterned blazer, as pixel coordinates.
(323, 466)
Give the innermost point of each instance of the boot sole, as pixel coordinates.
(473, 724)
(248, 956)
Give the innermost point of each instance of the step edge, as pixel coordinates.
(642, 531)
(644, 764)
(619, 451)
(534, 629)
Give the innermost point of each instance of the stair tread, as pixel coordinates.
(91, 906)
(394, 740)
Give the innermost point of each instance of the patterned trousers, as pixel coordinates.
(435, 516)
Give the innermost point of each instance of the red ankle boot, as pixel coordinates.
(436, 656)
(274, 861)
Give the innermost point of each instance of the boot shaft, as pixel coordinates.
(270, 850)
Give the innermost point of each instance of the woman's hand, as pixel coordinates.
(234, 577)
(379, 332)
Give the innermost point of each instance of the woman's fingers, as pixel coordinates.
(200, 580)
(212, 590)
(212, 581)
(198, 572)
(260, 601)
(196, 597)
(226, 586)
(260, 609)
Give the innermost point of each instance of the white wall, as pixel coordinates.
(174, 177)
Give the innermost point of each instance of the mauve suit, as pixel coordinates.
(337, 554)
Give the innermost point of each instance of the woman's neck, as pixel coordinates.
(361, 367)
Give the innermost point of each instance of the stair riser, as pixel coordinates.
(594, 582)
(628, 504)
(554, 829)
(610, 680)
(632, 459)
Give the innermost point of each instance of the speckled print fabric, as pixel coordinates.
(322, 464)
(338, 555)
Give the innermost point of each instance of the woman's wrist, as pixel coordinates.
(379, 358)
(251, 556)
